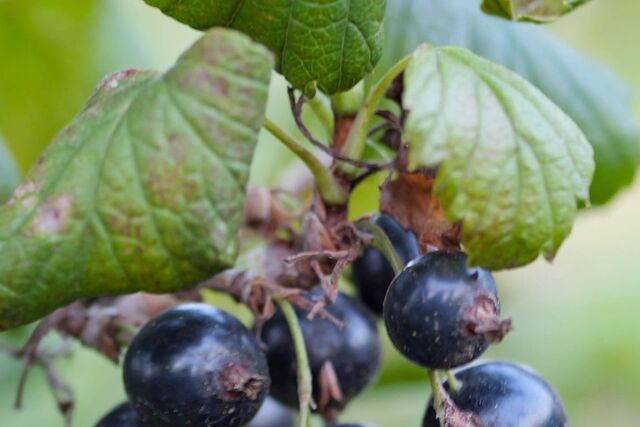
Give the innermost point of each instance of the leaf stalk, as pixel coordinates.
(330, 189)
(357, 138)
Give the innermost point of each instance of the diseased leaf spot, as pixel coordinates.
(135, 195)
(53, 215)
(26, 194)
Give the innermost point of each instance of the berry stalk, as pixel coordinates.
(382, 243)
(305, 385)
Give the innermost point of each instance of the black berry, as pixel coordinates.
(122, 415)
(195, 365)
(372, 273)
(506, 395)
(272, 414)
(353, 352)
(440, 313)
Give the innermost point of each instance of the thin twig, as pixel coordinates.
(296, 108)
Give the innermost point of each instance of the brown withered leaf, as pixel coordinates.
(408, 197)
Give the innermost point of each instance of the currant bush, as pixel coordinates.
(142, 207)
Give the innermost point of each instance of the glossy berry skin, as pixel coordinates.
(122, 415)
(372, 273)
(506, 395)
(272, 414)
(195, 365)
(440, 313)
(354, 351)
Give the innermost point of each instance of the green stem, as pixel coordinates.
(305, 384)
(330, 189)
(320, 108)
(382, 243)
(357, 138)
(348, 103)
(439, 395)
(454, 384)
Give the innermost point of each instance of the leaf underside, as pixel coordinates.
(539, 11)
(512, 165)
(144, 190)
(598, 101)
(331, 44)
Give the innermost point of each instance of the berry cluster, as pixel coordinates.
(196, 365)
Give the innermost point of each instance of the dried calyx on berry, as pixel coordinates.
(195, 365)
(503, 394)
(441, 313)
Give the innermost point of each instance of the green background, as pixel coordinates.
(575, 320)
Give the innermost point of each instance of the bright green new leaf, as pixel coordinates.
(328, 44)
(531, 10)
(9, 175)
(144, 190)
(599, 102)
(512, 165)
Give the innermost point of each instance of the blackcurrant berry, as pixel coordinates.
(440, 313)
(122, 415)
(506, 395)
(272, 414)
(372, 273)
(352, 352)
(195, 365)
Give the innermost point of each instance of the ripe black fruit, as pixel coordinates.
(506, 395)
(272, 414)
(440, 313)
(195, 365)
(353, 351)
(372, 273)
(122, 415)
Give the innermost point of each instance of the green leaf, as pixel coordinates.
(144, 190)
(512, 165)
(9, 175)
(328, 44)
(599, 102)
(531, 10)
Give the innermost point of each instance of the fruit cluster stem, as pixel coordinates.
(439, 395)
(305, 382)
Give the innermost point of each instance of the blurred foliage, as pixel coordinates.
(575, 320)
(46, 49)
